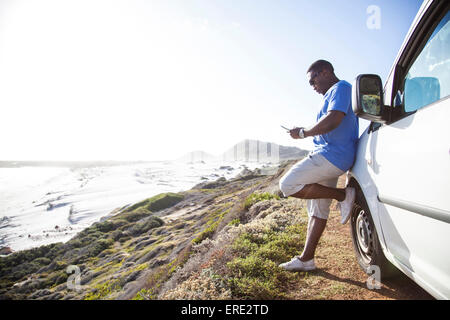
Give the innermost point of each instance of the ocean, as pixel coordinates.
(42, 205)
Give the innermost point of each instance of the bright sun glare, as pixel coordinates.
(123, 80)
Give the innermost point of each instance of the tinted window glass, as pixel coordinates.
(428, 79)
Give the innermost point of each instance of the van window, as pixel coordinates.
(428, 79)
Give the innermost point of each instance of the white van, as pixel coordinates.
(401, 216)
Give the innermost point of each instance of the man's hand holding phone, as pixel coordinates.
(295, 132)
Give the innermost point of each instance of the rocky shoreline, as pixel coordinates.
(151, 250)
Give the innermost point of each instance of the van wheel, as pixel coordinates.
(365, 241)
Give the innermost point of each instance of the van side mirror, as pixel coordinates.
(367, 98)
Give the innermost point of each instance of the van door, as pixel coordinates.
(412, 156)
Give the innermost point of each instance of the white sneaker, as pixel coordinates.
(347, 205)
(297, 265)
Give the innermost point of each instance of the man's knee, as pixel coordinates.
(289, 189)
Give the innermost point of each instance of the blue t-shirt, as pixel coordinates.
(339, 145)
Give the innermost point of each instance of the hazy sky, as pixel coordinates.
(146, 80)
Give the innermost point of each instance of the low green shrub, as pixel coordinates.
(211, 226)
(234, 222)
(105, 226)
(102, 291)
(145, 294)
(254, 272)
(135, 215)
(19, 264)
(42, 261)
(142, 227)
(98, 246)
(116, 235)
(158, 202)
(164, 201)
(55, 278)
(257, 197)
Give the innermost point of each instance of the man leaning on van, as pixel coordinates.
(335, 137)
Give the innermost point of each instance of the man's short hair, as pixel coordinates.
(321, 65)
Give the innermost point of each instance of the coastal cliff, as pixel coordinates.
(219, 240)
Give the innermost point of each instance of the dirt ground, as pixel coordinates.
(338, 275)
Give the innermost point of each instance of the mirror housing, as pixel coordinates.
(367, 98)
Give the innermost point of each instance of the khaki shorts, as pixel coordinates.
(313, 169)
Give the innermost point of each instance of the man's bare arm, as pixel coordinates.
(328, 123)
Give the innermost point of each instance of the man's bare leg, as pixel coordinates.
(318, 191)
(316, 226)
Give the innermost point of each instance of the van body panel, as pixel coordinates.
(413, 160)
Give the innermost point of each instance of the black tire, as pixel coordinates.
(365, 240)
